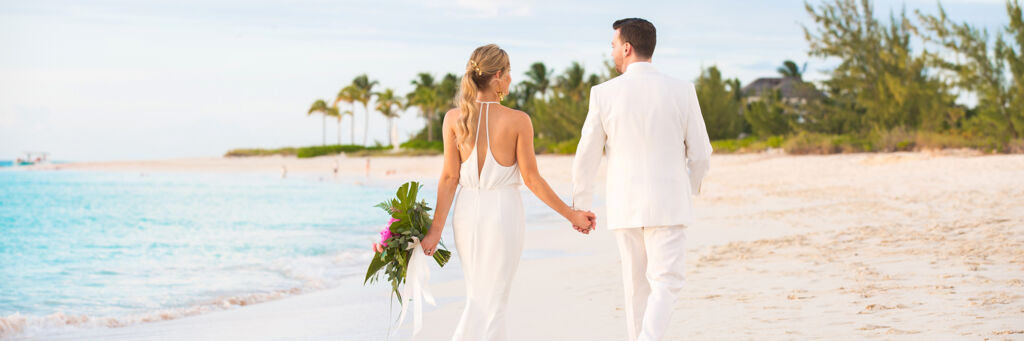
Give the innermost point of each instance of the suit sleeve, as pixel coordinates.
(698, 145)
(588, 156)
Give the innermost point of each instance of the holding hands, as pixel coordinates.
(583, 221)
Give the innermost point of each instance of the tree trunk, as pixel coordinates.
(339, 130)
(352, 127)
(391, 140)
(323, 141)
(430, 128)
(392, 134)
(366, 124)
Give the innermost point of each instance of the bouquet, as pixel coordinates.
(400, 239)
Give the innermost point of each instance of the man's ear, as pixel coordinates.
(627, 49)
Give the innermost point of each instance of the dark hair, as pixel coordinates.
(639, 33)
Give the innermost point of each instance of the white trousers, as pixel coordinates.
(652, 275)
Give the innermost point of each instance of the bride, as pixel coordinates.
(486, 146)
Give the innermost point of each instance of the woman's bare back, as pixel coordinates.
(503, 126)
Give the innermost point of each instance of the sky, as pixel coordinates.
(129, 79)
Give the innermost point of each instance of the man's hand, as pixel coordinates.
(583, 221)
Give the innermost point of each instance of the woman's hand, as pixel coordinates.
(583, 221)
(429, 242)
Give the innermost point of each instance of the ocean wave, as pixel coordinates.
(28, 325)
(315, 272)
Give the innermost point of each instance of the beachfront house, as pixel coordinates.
(793, 90)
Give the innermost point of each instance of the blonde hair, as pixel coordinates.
(485, 62)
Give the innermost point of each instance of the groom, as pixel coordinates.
(651, 128)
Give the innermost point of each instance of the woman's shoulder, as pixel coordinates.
(452, 115)
(515, 112)
(516, 116)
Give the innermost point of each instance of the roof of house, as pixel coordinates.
(789, 87)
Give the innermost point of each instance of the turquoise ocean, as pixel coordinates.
(90, 248)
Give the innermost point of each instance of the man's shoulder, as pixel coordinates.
(665, 79)
(606, 84)
(675, 82)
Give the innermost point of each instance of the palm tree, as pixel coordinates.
(446, 91)
(572, 81)
(790, 70)
(338, 114)
(538, 79)
(389, 105)
(425, 97)
(364, 87)
(348, 94)
(333, 112)
(320, 106)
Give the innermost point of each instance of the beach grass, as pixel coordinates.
(799, 143)
(412, 148)
(881, 141)
(243, 152)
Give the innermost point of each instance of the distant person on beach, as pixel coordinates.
(650, 127)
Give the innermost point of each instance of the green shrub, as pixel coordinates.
(544, 146)
(307, 152)
(732, 145)
(809, 143)
(437, 146)
(1015, 146)
(893, 140)
(933, 140)
(243, 152)
(768, 117)
(565, 147)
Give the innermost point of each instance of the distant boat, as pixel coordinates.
(33, 158)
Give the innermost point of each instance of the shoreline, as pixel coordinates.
(818, 246)
(360, 305)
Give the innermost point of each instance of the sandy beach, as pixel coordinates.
(852, 246)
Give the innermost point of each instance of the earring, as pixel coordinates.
(501, 96)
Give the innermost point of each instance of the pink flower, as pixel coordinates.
(386, 232)
(384, 235)
(378, 248)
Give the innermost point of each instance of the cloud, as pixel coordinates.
(480, 8)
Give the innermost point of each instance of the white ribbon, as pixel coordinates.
(416, 289)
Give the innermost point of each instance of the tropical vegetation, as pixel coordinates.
(908, 82)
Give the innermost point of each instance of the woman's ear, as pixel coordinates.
(496, 80)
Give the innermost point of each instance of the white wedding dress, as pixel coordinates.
(489, 225)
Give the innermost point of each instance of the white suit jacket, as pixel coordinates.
(651, 128)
